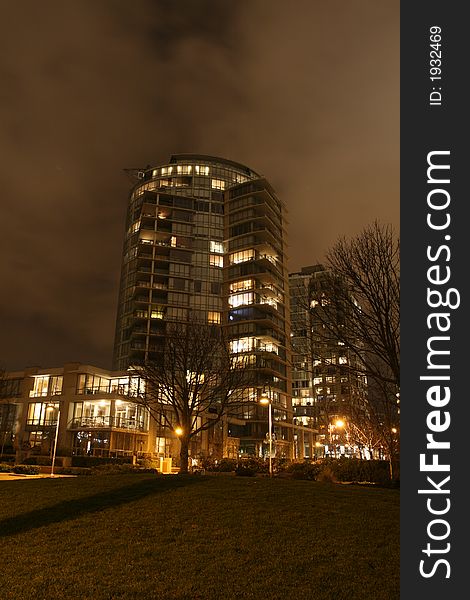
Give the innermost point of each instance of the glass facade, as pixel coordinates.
(205, 240)
(326, 386)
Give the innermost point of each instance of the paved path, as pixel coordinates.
(13, 476)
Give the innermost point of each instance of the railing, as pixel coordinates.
(106, 422)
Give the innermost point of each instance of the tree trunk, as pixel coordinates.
(184, 454)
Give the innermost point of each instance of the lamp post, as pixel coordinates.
(338, 424)
(266, 400)
(52, 406)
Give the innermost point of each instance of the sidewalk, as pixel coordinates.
(12, 476)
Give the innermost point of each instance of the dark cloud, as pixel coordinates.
(307, 93)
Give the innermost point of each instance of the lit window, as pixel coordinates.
(56, 385)
(173, 241)
(216, 247)
(238, 286)
(214, 317)
(240, 299)
(184, 169)
(216, 261)
(268, 347)
(242, 345)
(218, 184)
(156, 313)
(317, 380)
(200, 170)
(240, 178)
(243, 256)
(343, 360)
(167, 170)
(40, 386)
(247, 359)
(270, 301)
(154, 172)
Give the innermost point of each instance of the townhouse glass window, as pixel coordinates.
(55, 386)
(46, 385)
(92, 384)
(41, 413)
(7, 417)
(40, 388)
(10, 387)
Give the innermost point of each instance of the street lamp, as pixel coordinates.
(266, 400)
(338, 424)
(51, 407)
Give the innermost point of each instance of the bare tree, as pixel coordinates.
(195, 382)
(357, 302)
(7, 413)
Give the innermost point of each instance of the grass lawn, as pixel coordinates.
(197, 538)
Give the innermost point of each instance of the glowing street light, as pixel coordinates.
(338, 424)
(178, 430)
(266, 400)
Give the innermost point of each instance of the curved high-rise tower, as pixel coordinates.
(205, 240)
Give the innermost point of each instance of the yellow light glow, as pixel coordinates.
(339, 423)
(178, 431)
(317, 444)
(264, 399)
(394, 429)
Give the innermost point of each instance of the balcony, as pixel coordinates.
(106, 422)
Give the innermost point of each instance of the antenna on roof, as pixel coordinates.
(135, 174)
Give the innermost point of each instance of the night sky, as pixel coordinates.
(304, 92)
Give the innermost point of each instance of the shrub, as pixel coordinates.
(113, 469)
(44, 461)
(225, 465)
(357, 470)
(26, 469)
(94, 461)
(147, 463)
(304, 470)
(245, 471)
(6, 468)
(257, 465)
(75, 471)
